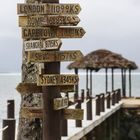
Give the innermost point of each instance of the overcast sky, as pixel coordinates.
(109, 24)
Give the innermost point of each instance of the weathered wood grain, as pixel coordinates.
(48, 44)
(56, 79)
(54, 56)
(30, 88)
(54, 32)
(49, 9)
(48, 20)
(60, 103)
(75, 114)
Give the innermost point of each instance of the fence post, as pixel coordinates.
(10, 109)
(117, 99)
(78, 106)
(108, 100)
(64, 127)
(119, 92)
(9, 133)
(98, 105)
(102, 104)
(112, 97)
(82, 95)
(89, 108)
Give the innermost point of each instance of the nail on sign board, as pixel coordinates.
(54, 32)
(54, 56)
(57, 79)
(48, 20)
(49, 9)
(48, 44)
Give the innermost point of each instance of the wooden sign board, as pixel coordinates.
(60, 103)
(56, 79)
(29, 88)
(55, 32)
(31, 112)
(53, 56)
(76, 114)
(48, 44)
(49, 9)
(48, 20)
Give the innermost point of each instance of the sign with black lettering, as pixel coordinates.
(56, 79)
(48, 44)
(54, 32)
(48, 20)
(49, 9)
(60, 103)
(53, 56)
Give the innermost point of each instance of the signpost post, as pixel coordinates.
(51, 122)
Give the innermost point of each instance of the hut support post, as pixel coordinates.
(130, 83)
(76, 88)
(122, 75)
(90, 82)
(124, 84)
(86, 79)
(112, 79)
(106, 71)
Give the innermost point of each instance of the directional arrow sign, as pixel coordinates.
(31, 112)
(55, 32)
(48, 20)
(28, 88)
(56, 79)
(76, 114)
(48, 44)
(54, 56)
(60, 103)
(49, 9)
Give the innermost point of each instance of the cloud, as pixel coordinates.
(110, 24)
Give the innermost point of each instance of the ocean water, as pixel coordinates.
(8, 83)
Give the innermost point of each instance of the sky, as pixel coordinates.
(109, 24)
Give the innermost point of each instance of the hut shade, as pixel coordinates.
(102, 59)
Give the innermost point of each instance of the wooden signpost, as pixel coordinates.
(49, 9)
(48, 20)
(41, 33)
(60, 103)
(48, 44)
(75, 114)
(53, 56)
(57, 79)
(54, 32)
(29, 88)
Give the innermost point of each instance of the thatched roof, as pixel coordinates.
(102, 59)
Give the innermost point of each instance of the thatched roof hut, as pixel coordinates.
(102, 58)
